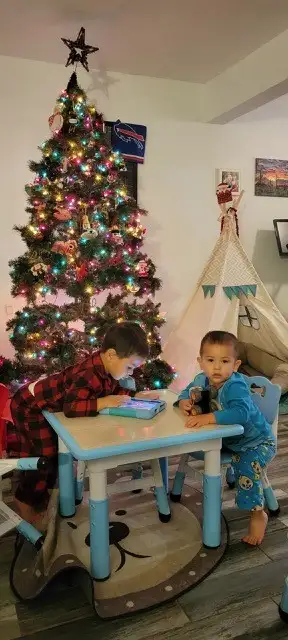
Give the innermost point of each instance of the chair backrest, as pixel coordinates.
(266, 396)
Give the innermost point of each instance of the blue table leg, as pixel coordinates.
(79, 481)
(283, 607)
(164, 471)
(99, 524)
(212, 500)
(160, 492)
(66, 482)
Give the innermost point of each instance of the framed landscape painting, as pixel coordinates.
(271, 177)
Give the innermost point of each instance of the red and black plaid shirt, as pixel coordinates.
(75, 390)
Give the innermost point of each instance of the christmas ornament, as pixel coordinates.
(85, 222)
(39, 269)
(59, 247)
(79, 50)
(65, 164)
(89, 234)
(112, 177)
(114, 230)
(81, 272)
(224, 193)
(65, 248)
(70, 247)
(56, 121)
(137, 232)
(142, 269)
(62, 214)
(132, 287)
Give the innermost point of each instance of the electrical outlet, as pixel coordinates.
(9, 309)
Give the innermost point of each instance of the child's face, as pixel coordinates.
(121, 367)
(218, 361)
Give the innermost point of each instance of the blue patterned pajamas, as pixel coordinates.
(247, 466)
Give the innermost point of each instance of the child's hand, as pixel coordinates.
(195, 422)
(185, 407)
(109, 402)
(147, 395)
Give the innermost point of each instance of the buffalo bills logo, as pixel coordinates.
(129, 140)
(126, 133)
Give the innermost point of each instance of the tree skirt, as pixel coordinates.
(151, 562)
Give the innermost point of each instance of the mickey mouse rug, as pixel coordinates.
(151, 562)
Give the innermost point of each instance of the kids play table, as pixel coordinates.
(106, 442)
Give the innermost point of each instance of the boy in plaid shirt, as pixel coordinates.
(80, 390)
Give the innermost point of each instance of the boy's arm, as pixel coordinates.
(81, 399)
(238, 405)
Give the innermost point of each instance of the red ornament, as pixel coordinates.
(142, 269)
(81, 272)
(56, 122)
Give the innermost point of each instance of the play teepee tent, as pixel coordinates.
(229, 296)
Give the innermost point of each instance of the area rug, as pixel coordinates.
(151, 562)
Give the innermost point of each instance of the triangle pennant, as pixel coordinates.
(208, 289)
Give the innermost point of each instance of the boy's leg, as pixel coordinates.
(247, 467)
(31, 435)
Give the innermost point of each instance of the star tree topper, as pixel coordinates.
(79, 50)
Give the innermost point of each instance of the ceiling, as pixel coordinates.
(192, 40)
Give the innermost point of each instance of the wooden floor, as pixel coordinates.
(239, 600)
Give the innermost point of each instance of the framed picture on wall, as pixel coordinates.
(281, 233)
(271, 177)
(231, 177)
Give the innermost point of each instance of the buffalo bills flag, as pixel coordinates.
(130, 140)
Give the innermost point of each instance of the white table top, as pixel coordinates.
(104, 436)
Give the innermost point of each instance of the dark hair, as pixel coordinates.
(127, 338)
(219, 337)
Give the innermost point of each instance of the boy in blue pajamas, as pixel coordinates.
(232, 404)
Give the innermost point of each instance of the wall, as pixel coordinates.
(261, 133)
(176, 183)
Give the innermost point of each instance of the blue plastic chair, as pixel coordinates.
(266, 396)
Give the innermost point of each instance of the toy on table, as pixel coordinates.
(200, 399)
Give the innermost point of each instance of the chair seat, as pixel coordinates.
(6, 466)
(226, 456)
(8, 519)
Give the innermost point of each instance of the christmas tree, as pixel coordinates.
(84, 237)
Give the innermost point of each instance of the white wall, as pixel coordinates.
(264, 134)
(177, 181)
